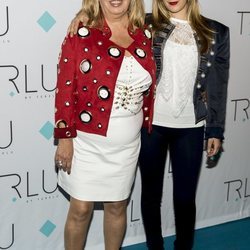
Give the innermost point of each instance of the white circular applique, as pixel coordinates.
(148, 34)
(85, 116)
(140, 52)
(114, 52)
(83, 32)
(103, 93)
(85, 66)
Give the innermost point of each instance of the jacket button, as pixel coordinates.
(68, 82)
(68, 134)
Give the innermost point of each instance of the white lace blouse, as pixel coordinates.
(174, 94)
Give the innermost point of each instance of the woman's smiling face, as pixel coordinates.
(114, 7)
(177, 8)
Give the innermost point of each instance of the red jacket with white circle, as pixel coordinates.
(88, 68)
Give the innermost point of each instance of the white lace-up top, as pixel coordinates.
(174, 94)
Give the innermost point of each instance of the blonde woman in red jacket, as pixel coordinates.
(105, 89)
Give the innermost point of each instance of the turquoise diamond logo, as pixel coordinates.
(11, 93)
(47, 130)
(47, 228)
(46, 21)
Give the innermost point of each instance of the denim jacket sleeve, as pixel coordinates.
(217, 82)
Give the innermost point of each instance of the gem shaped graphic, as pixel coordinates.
(46, 21)
(47, 130)
(47, 228)
(11, 93)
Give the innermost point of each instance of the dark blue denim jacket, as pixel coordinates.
(210, 88)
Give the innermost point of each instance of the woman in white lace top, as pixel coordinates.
(192, 58)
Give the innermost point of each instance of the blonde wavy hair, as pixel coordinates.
(197, 21)
(93, 11)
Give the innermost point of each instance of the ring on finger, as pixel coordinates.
(59, 163)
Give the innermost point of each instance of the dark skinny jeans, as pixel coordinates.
(186, 148)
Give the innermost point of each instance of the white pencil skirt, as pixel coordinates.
(103, 168)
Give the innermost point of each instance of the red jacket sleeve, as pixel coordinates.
(65, 95)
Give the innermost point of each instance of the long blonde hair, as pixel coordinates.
(197, 21)
(92, 9)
